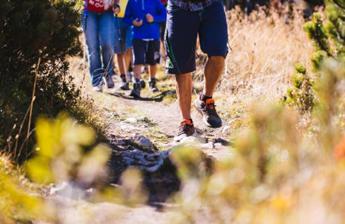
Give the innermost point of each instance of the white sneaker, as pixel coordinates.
(98, 88)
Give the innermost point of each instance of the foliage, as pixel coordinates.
(301, 93)
(36, 36)
(275, 167)
(328, 34)
(61, 157)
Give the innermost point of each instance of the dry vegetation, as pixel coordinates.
(264, 50)
(277, 173)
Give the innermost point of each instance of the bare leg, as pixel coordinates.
(128, 56)
(121, 60)
(137, 71)
(213, 71)
(184, 93)
(153, 71)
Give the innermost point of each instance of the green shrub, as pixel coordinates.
(328, 35)
(33, 31)
(300, 94)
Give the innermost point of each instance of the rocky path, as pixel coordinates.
(141, 134)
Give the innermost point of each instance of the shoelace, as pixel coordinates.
(210, 107)
(210, 104)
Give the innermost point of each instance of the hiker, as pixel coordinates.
(123, 45)
(98, 27)
(146, 16)
(185, 21)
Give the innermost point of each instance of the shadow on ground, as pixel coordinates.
(157, 98)
(160, 174)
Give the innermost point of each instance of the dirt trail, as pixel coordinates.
(154, 118)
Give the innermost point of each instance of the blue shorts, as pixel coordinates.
(123, 36)
(146, 52)
(182, 30)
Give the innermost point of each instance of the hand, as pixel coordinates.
(116, 9)
(137, 22)
(108, 4)
(149, 18)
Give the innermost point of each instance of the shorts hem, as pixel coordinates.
(175, 72)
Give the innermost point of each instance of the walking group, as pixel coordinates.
(133, 29)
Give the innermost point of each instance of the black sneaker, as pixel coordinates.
(153, 85)
(186, 129)
(207, 109)
(142, 84)
(109, 81)
(136, 90)
(124, 86)
(124, 83)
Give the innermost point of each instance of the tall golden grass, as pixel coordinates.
(264, 49)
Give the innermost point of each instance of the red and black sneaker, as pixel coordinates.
(186, 129)
(207, 109)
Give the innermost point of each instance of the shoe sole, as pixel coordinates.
(135, 96)
(180, 138)
(124, 88)
(203, 118)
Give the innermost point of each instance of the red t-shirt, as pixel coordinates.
(98, 6)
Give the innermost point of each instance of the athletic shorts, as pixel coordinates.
(123, 36)
(146, 52)
(184, 26)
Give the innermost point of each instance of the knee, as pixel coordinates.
(218, 62)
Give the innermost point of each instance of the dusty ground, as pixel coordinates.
(156, 117)
(258, 68)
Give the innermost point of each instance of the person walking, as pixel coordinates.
(123, 44)
(98, 27)
(186, 20)
(146, 16)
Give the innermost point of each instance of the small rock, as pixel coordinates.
(226, 129)
(143, 142)
(131, 120)
(68, 190)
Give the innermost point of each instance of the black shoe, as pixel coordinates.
(186, 129)
(208, 111)
(153, 85)
(142, 84)
(124, 86)
(124, 83)
(136, 90)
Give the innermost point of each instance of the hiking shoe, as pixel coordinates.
(136, 90)
(98, 88)
(124, 83)
(124, 86)
(142, 84)
(186, 129)
(153, 85)
(207, 109)
(110, 82)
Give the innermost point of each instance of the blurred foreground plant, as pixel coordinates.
(278, 172)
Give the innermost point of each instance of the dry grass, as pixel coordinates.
(264, 50)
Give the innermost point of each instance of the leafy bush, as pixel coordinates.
(35, 38)
(328, 35)
(301, 93)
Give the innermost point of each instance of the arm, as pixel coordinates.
(161, 13)
(132, 12)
